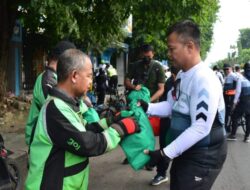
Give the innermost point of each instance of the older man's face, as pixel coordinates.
(84, 79)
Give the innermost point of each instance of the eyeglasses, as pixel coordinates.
(176, 92)
(226, 69)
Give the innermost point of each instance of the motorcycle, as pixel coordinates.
(10, 176)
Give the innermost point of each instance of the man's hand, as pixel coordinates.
(143, 104)
(126, 126)
(114, 118)
(138, 87)
(156, 157)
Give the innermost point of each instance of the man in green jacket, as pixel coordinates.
(63, 139)
(44, 82)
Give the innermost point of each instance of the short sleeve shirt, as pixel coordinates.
(148, 76)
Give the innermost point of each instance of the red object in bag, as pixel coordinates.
(155, 123)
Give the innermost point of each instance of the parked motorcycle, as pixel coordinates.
(10, 176)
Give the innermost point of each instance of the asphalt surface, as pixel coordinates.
(107, 172)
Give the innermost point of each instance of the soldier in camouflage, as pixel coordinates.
(147, 72)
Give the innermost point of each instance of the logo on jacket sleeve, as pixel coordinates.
(73, 143)
(203, 94)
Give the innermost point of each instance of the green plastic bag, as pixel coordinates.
(134, 145)
(91, 115)
(143, 94)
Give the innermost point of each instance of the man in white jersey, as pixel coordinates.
(237, 71)
(196, 138)
(241, 104)
(229, 90)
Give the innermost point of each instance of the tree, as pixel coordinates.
(244, 56)
(8, 15)
(243, 46)
(244, 38)
(98, 24)
(151, 18)
(92, 24)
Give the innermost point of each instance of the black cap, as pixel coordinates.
(107, 65)
(226, 65)
(237, 67)
(215, 68)
(60, 48)
(247, 66)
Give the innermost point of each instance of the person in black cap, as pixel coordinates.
(241, 104)
(247, 70)
(237, 71)
(44, 82)
(229, 92)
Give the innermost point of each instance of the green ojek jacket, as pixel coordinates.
(44, 82)
(63, 141)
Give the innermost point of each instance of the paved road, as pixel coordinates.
(108, 173)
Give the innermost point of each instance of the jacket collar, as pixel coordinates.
(72, 102)
(50, 68)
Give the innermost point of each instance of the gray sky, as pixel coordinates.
(233, 15)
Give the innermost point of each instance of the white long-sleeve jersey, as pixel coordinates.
(199, 99)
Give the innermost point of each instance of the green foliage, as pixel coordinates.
(220, 63)
(92, 24)
(151, 18)
(98, 24)
(244, 56)
(244, 38)
(243, 46)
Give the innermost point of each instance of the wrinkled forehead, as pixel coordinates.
(86, 63)
(86, 67)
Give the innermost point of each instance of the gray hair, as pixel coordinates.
(70, 60)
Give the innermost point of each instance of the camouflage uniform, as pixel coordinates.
(148, 76)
